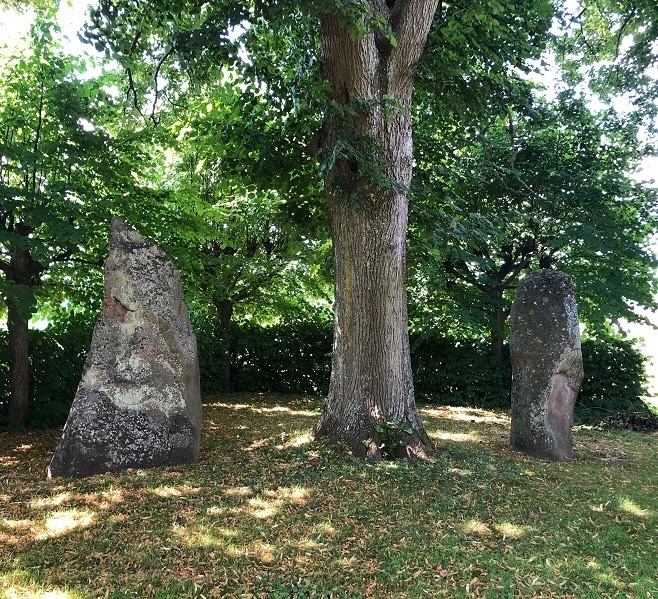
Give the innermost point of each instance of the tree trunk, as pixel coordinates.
(224, 310)
(497, 334)
(497, 321)
(19, 367)
(371, 404)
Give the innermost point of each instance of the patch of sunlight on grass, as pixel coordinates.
(238, 492)
(307, 544)
(295, 495)
(465, 415)
(219, 537)
(326, 529)
(263, 551)
(16, 584)
(475, 527)
(592, 564)
(263, 509)
(18, 529)
(22, 593)
(261, 410)
(62, 523)
(103, 500)
(216, 510)
(461, 471)
(274, 500)
(24, 447)
(166, 492)
(296, 441)
(175, 491)
(512, 531)
(8, 461)
(459, 437)
(56, 501)
(633, 508)
(609, 579)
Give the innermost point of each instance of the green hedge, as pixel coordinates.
(295, 358)
(57, 355)
(290, 358)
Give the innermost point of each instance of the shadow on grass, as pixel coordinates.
(269, 513)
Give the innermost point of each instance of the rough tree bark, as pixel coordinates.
(22, 270)
(371, 395)
(19, 373)
(224, 309)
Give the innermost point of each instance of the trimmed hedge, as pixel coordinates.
(295, 358)
(57, 356)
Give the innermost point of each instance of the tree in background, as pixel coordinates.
(611, 45)
(548, 187)
(61, 175)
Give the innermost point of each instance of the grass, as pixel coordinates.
(267, 513)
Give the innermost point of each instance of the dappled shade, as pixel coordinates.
(268, 511)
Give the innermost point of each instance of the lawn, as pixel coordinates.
(268, 513)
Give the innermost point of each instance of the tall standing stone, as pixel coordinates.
(547, 365)
(138, 404)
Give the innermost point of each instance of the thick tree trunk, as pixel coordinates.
(224, 310)
(19, 367)
(371, 404)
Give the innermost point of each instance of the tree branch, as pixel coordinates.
(156, 75)
(132, 90)
(411, 21)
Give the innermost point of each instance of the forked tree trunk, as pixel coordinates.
(371, 397)
(19, 367)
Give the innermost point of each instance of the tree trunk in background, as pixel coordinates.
(224, 310)
(19, 367)
(371, 397)
(498, 319)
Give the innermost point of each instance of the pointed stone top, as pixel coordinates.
(122, 233)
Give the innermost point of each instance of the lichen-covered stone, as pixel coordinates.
(138, 404)
(547, 365)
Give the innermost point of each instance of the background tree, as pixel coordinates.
(612, 44)
(61, 175)
(549, 187)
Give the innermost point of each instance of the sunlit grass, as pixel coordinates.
(270, 513)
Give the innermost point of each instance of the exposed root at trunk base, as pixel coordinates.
(380, 442)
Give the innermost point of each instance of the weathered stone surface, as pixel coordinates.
(138, 404)
(547, 365)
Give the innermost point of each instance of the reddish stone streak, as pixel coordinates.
(560, 415)
(114, 309)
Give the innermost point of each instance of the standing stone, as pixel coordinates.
(547, 365)
(138, 404)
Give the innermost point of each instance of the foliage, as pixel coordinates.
(610, 44)
(458, 372)
(65, 167)
(515, 199)
(288, 356)
(57, 357)
(615, 378)
(267, 513)
(294, 356)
